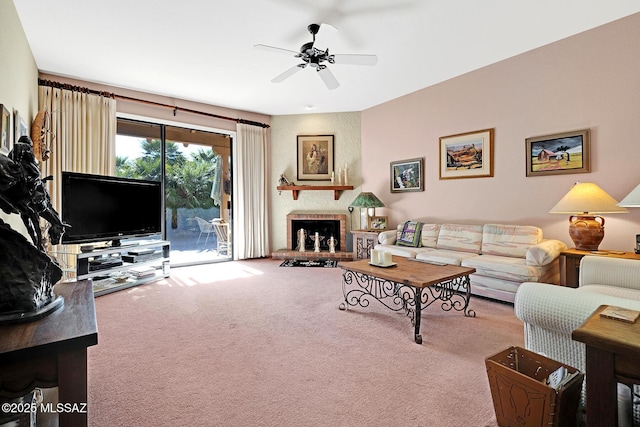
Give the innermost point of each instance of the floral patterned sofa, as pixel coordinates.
(504, 256)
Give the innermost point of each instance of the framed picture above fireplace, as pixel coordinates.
(315, 157)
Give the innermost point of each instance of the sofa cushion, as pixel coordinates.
(388, 237)
(509, 240)
(501, 267)
(404, 251)
(612, 290)
(429, 236)
(504, 290)
(602, 270)
(460, 237)
(410, 235)
(446, 256)
(545, 252)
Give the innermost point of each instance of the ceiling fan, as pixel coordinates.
(317, 58)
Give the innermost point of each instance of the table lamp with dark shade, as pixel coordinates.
(369, 201)
(584, 202)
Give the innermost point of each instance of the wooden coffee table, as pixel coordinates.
(407, 286)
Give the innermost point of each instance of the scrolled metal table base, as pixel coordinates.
(453, 295)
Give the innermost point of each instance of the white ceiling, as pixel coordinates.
(202, 50)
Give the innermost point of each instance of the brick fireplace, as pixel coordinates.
(327, 225)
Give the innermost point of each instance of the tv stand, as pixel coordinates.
(112, 269)
(117, 244)
(113, 244)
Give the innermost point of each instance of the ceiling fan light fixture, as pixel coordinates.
(313, 29)
(306, 48)
(311, 55)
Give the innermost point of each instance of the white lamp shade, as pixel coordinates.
(587, 198)
(632, 200)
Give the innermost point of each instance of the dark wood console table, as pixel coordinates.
(53, 351)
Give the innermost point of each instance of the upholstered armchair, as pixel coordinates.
(551, 313)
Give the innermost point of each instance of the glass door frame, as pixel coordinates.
(163, 123)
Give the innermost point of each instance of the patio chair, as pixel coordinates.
(205, 228)
(221, 229)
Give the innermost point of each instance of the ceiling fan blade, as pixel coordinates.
(328, 78)
(290, 72)
(275, 49)
(355, 59)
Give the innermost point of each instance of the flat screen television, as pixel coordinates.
(105, 208)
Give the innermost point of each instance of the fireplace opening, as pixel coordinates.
(326, 225)
(325, 229)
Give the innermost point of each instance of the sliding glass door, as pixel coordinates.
(195, 168)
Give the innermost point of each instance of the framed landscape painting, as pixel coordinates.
(467, 155)
(557, 154)
(407, 175)
(315, 157)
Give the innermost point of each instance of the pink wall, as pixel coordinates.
(591, 80)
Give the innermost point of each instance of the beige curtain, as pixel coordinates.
(82, 135)
(250, 198)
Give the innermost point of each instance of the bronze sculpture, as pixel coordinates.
(27, 272)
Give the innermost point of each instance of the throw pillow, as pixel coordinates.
(410, 235)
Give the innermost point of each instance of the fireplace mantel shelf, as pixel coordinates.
(296, 188)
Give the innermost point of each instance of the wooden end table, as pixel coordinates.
(53, 351)
(409, 285)
(613, 351)
(570, 263)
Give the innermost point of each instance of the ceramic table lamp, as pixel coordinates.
(584, 202)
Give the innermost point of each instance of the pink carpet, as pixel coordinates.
(252, 344)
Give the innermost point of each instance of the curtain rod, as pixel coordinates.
(175, 108)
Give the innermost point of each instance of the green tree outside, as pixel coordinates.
(188, 179)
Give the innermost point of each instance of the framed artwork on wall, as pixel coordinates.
(315, 157)
(407, 175)
(19, 126)
(557, 154)
(5, 128)
(467, 155)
